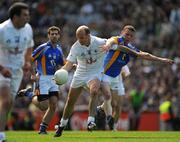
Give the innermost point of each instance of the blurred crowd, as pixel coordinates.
(158, 31)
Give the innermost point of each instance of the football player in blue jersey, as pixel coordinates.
(48, 58)
(117, 57)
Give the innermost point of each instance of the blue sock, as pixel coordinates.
(29, 95)
(43, 127)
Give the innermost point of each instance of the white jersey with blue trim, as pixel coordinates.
(13, 44)
(89, 59)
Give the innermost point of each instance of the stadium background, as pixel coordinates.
(158, 32)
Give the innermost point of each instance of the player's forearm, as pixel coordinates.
(68, 66)
(33, 68)
(27, 56)
(148, 56)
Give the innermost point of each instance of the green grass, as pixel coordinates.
(95, 136)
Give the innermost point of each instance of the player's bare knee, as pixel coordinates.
(107, 97)
(94, 92)
(53, 106)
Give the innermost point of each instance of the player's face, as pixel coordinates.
(23, 18)
(128, 34)
(54, 36)
(84, 39)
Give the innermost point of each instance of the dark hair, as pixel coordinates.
(129, 27)
(53, 28)
(87, 31)
(16, 8)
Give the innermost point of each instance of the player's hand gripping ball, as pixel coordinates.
(61, 76)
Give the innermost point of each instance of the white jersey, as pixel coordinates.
(13, 44)
(89, 59)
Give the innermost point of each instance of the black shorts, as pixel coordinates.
(45, 97)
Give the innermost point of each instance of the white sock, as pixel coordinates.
(91, 119)
(115, 126)
(2, 136)
(63, 122)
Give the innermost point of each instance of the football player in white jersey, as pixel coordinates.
(16, 42)
(86, 51)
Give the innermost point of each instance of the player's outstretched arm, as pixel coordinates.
(127, 50)
(148, 56)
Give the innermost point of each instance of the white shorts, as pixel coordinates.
(13, 82)
(115, 83)
(82, 81)
(47, 84)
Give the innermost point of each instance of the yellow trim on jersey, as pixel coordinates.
(113, 59)
(34, 58)
(43, 62)
(115, 38)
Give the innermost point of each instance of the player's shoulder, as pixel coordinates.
(115, 36)
(28, 27)
(118, 39)
(98, 39)
(59, 48)
(76, 45)
(42, 46)
(4, 24)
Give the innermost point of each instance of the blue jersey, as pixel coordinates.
(48, 58)
(115, 59)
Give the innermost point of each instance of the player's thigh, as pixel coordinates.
(16, 79)
(42, 104)
(93, 81)
(5, 88)
(117, 100)
(53, 97)
(105, 87)
(94, 85)
(78, 81)
(74, 93)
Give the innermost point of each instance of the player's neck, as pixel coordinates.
(16, 24)
(53, 44)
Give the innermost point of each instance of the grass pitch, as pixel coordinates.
(95, 136)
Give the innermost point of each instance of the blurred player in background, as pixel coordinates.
(49, 58)
(116, 58)
(16, 42)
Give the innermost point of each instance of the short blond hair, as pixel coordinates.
(129, 27)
